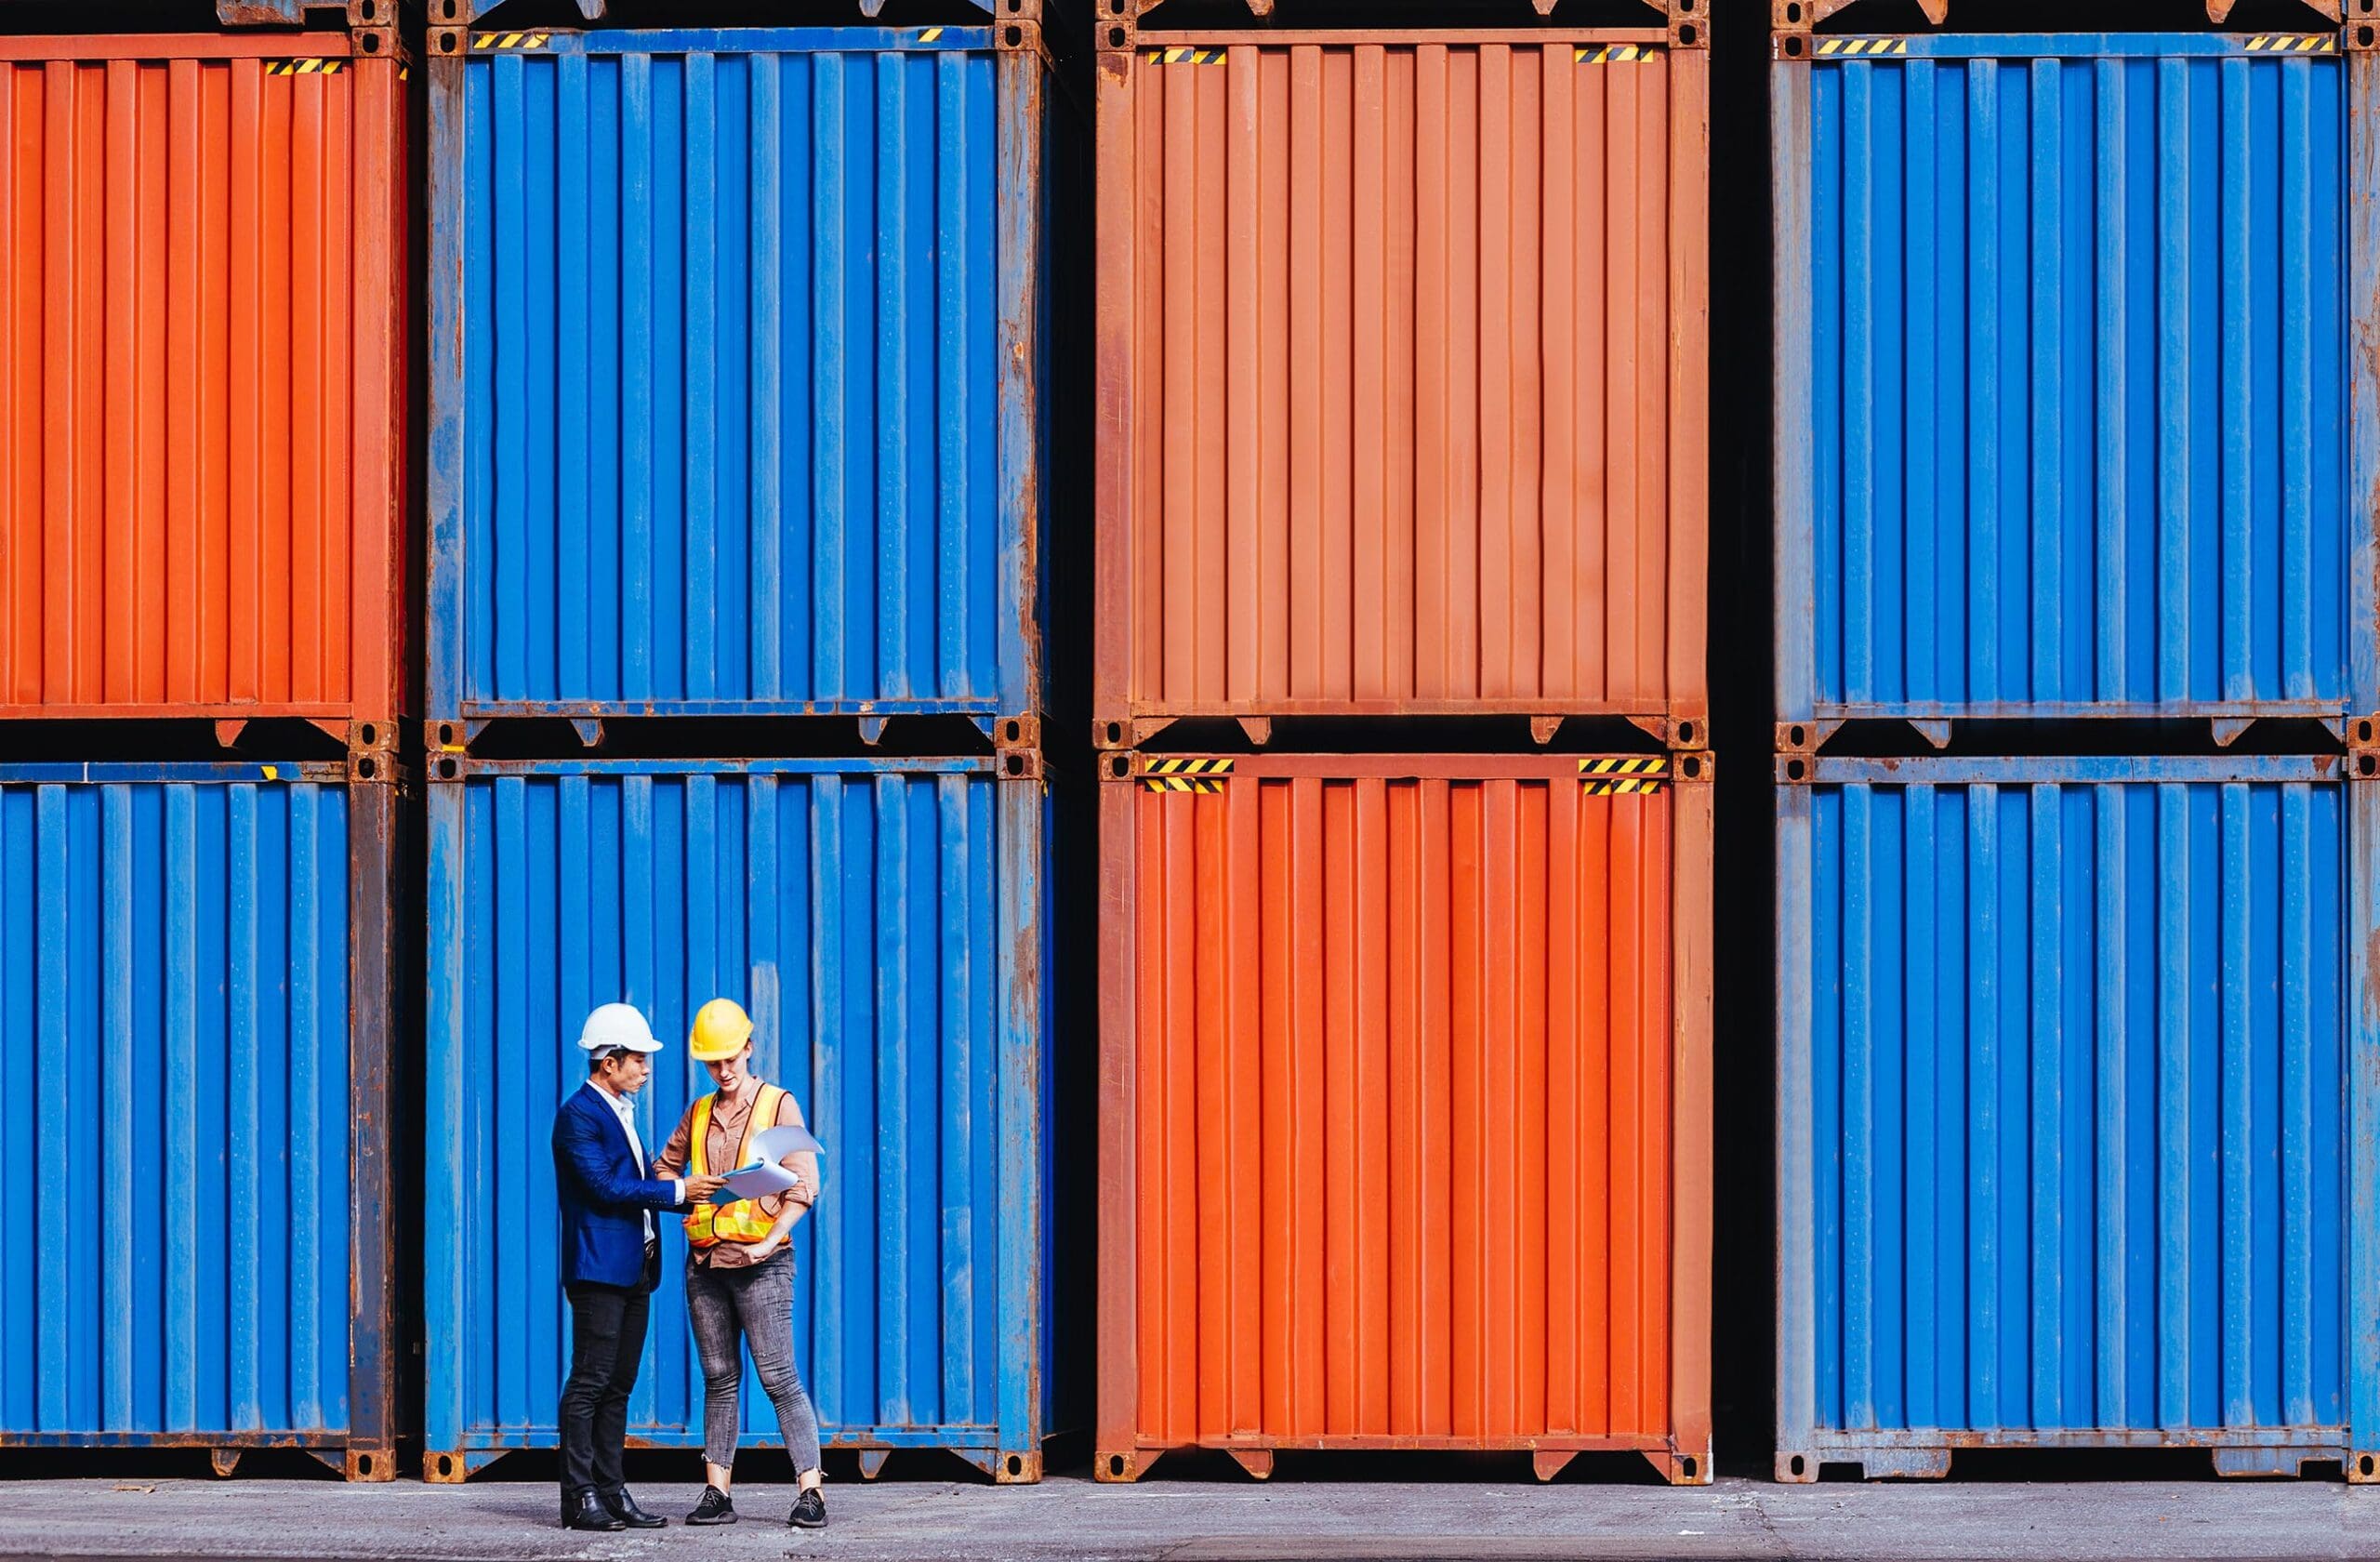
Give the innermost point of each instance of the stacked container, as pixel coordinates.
(740, 387)
(202, 342)
(2077, 1103)
(1405, 1089)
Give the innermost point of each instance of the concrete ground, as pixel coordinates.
(1215, 1521)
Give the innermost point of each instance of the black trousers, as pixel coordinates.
(606, 1347)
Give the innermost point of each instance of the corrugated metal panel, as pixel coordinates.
(883, 921)
(1402, 375)
(174, 986)
(2066, 1099)
(1396, 1147)
(2064, 380)
(736, 375)
(202, 378)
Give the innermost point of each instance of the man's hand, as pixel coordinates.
(701, 1190)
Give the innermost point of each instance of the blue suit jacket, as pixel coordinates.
(604, 1194)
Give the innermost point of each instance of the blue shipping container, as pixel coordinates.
(175, 990)
(739, 373)
(2079, 1090)
(2063, 386)
(883, 921)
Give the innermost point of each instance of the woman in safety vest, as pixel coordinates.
(739, 1276)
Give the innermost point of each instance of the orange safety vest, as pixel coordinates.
(743, 1220)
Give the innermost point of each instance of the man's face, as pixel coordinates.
(729, 1074)
(625, 1073)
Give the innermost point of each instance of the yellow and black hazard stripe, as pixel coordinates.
(508, 40)
(1187, 55)
(1613, 54)
(2294, 43)
(304, 67)
(1622, 777)
(1863, 46)
(1184, 776)
(929, 35)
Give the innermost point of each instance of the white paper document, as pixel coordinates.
(764, 1176)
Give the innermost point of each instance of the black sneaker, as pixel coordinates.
(715, 1508)
(809, 1510)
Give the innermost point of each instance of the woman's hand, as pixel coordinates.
(768, 1247)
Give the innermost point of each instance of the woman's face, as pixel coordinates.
(729, 1074)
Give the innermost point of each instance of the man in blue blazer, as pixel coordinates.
(611, 1261)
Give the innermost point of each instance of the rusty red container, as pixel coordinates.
(1402, 379)
(203, 327)
(1405, 1118)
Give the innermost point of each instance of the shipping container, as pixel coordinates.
(1404, 1112)
(202, 376)
(2077, 1111)
(885, 922)
(193, 981)
(739, 372)
(2067, 421)
(1401, 374)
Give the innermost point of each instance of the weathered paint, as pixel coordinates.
(738, 369)
(2075, 1061)
(175, 977)
(2063, 379)
(203, 330)
(1405, 1111)
(1402, 378)
(884, 923)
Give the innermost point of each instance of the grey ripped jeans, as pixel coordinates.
(730, 1306)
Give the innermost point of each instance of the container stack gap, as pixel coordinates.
(747, 564)
(2076, 683)
(203, 486)
(1402, 439)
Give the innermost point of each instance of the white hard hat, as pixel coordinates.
(618, 1025)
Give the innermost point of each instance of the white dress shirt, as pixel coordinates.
(625, 1110)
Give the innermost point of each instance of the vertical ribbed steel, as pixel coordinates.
(174, 980)
(2064, 379)
(735, 388)
(883, 923)
(1402, 365)
(1397, 1148)
(2066, 1099)
(203, 339)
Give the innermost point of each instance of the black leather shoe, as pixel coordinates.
(623, 1507)
(581, 1511)
(715, 1508)
(809, 1510)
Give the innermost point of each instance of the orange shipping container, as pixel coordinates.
(1402, 375)
(1405, 1106)
(202, 309)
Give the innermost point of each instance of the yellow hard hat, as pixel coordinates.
(721, 1029)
